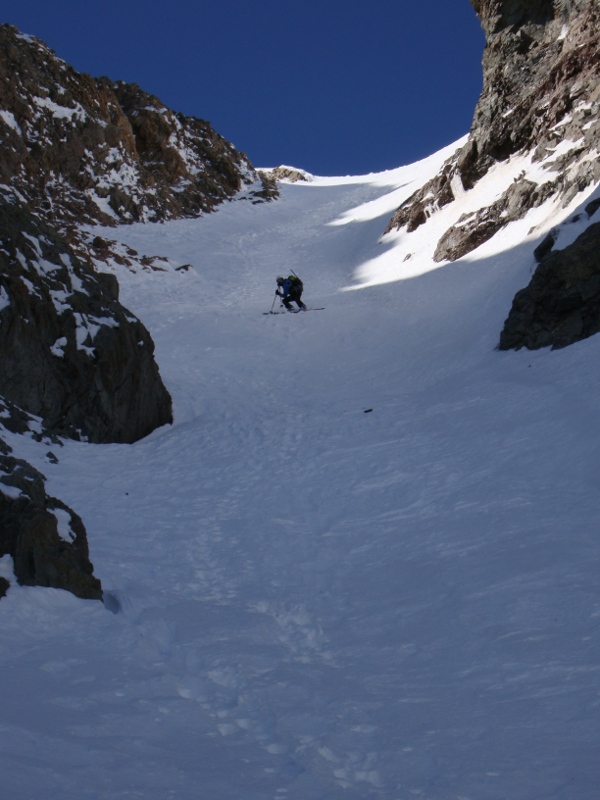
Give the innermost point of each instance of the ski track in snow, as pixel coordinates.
(311, 602)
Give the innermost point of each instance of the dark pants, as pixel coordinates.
(293, 297)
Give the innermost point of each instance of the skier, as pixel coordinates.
(290, 290)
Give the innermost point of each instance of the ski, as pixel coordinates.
(293, 311)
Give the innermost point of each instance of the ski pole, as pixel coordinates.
(273, 305)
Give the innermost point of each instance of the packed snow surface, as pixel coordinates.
(363, 562)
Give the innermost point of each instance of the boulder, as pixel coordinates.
(45, 538)
(71, 354)
(561, 305)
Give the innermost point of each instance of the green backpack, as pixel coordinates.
(296, 282)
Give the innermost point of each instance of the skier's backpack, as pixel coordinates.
(297, 284)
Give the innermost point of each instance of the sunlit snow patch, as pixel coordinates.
(409, 255)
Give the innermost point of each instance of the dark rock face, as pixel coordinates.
(541, 102)
(80, 149)
(70, 352)
(495, 15)
(541, 74)
(561, 305)
(46, 539)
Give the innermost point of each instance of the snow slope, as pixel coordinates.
(361, 564)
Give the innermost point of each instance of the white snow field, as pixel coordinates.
(363, 562)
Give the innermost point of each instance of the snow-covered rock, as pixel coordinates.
(536, 129)
(31, 533)
(71, 353)
(80, 149)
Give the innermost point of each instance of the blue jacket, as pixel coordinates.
(290, 289)
(286, 287)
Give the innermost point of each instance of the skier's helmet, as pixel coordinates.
(279, 280)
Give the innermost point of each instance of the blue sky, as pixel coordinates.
(333, 87)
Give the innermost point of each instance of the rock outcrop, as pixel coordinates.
(540, 103)
(79, 149)
(541, 70)
(70, 353)
(561, 305)
(45, 538)
(540, 97)
(289, 174)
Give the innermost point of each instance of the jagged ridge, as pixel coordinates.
(79, 149)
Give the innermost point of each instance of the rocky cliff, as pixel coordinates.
(79, 150)
(540, 102)
(70, 353)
